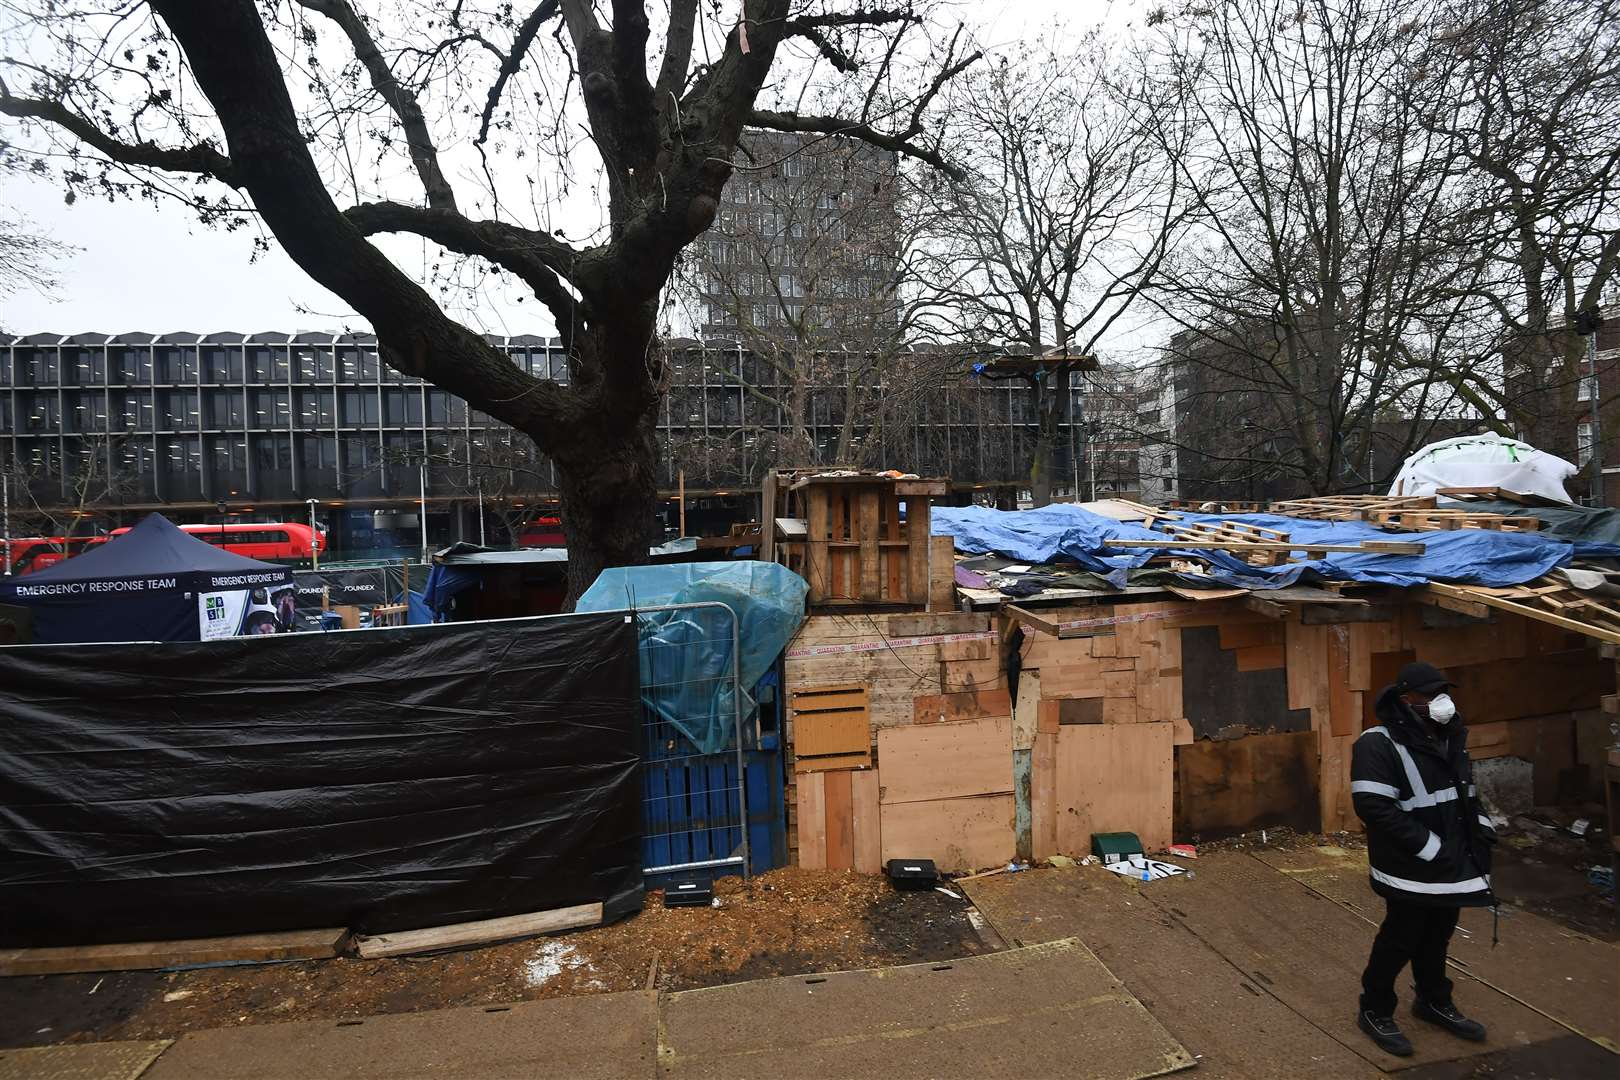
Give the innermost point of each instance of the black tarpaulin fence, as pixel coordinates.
(381, 780)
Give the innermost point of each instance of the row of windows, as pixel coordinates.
(220, 365)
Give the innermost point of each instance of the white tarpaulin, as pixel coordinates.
(1484, 461)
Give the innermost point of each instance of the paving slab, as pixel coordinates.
(1308, 951)
(1235, 1029)
(1568, 975)
(80, 1061)
(1051, 1010)
(611, 1036)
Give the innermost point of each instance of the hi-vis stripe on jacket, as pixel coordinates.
(1427, 840)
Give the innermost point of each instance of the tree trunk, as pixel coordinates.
(607, 474)
(1049, 393)
(609, 503)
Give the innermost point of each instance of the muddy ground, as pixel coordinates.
(787, 922)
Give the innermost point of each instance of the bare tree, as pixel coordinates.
(1322, 288)
(1526, 93)
(1068, 209)
(297, 107)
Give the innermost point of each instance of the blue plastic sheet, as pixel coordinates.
(1463, 556)
(686, 655)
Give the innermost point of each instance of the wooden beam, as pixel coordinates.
(1366, 547)
(1462, 592)
(151, 955)
(461, 935)
(1472, 608)
(1330, 614)
(1269, 608)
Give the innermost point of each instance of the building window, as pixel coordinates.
(1584, 389)
(1583, 442)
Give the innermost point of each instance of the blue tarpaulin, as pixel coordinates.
(1462, 556)
(686, 655)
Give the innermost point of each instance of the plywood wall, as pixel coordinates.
(1097, 721)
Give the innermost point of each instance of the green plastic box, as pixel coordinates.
(1112, 847)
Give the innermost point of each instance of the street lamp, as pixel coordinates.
(314, 537)
(1587, 322)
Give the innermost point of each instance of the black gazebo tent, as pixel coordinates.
(154, 583)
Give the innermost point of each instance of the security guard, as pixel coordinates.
(1429, 846)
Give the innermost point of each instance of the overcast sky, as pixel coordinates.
(136, 267)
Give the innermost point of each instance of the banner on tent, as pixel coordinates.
(235, 612)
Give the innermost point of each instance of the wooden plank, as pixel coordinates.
(482, 932)
(971, 676)
(829, 698)
(855, 759)
(1307, 660)
(1120, 711)
(840, 821)
(946, 761)
(917, 526)
(1261, 658)
(1026, 710)
(946, 708)
(847, 731)
(1344, 715)
(1073, 680)
(1529, 612)
(813, 821)
(816, 569)
(1233, 785)
(958, 834)
(871, 579)
(864, 787)
(153, 955)
(1111, 778)
(941, 573)
(1358, 675)
(1365, 547)
(983, 649)
(1252, 634)
(768, 512)
(1043, 796)
(1119, 684)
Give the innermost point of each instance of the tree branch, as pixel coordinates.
(677, 49)
(542, 261)
(401, 100)
(201, 158)
(832, 125)
(513, 60)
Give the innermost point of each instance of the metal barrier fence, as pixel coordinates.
(695, 803)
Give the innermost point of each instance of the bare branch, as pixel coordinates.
(400, 99)
(201, 158)
(521, 41)
(832, 125)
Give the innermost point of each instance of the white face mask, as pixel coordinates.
(1442, 708)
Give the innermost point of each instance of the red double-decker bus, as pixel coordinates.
(269, 541)
(33, 553)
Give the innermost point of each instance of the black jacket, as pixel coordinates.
(1428, 842)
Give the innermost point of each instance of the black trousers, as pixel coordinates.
(1415, 934)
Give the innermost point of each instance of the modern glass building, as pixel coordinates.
(114, 426)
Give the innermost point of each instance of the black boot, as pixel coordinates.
(1447, 1016)
(1384, 1031)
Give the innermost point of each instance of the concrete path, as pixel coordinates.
(1052, 1010)
(1257, 972)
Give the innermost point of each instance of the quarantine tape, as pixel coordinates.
(891, 643)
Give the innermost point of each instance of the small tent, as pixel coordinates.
(154, 583)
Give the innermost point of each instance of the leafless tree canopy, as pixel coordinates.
(330, 123)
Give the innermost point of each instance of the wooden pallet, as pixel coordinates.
(1433, 520)
(1349, 507)
(1550, 599)
(858, 549)
(1233, 532)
